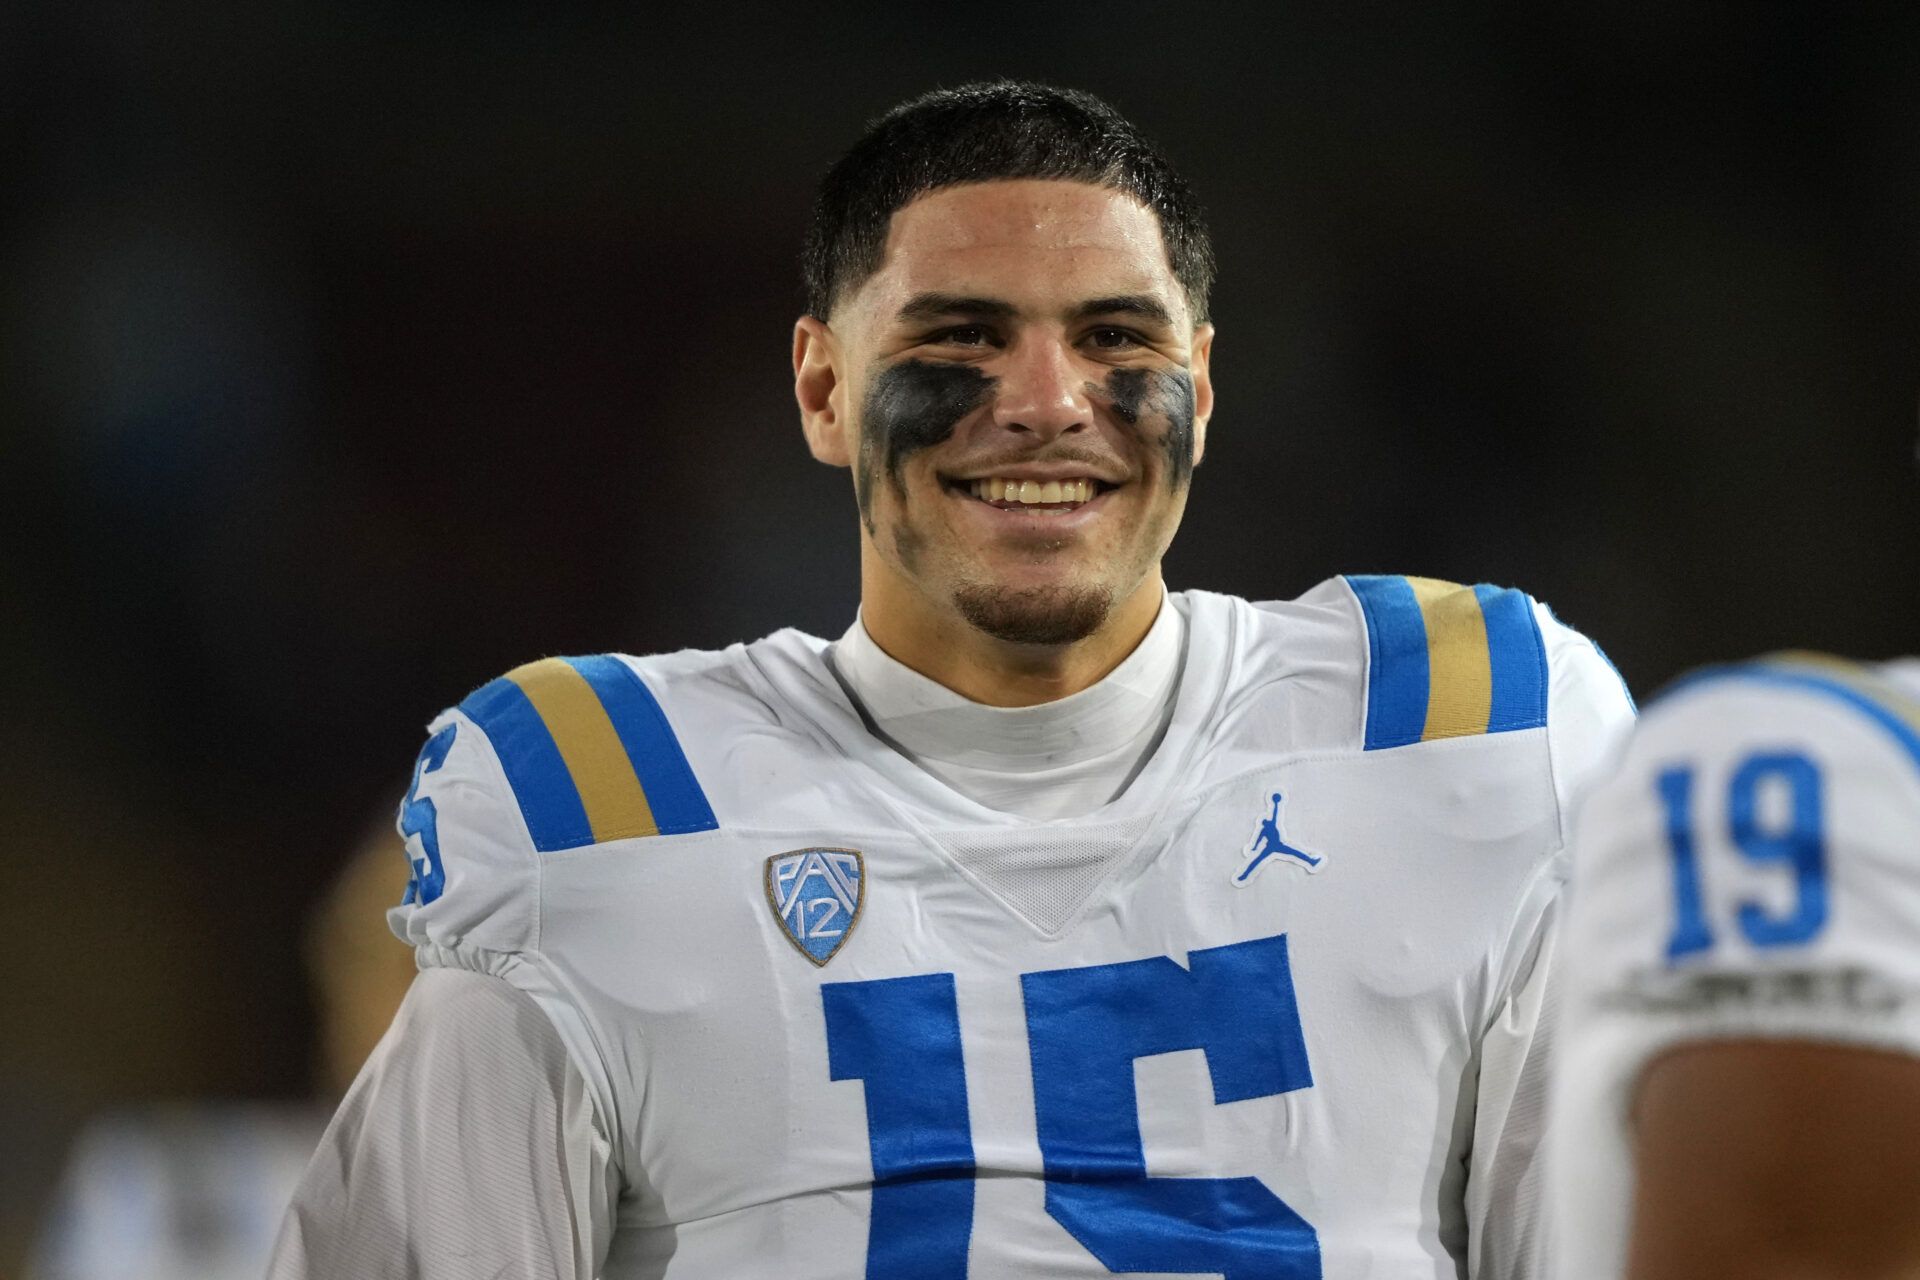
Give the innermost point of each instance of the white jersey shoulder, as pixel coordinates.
(1750, 867)
(1441, 660)
(1760, 829)
(559, 754)
(776, 949)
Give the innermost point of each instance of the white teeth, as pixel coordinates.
(1032, 492)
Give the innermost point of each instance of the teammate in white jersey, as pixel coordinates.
(1739, 1089)
(1046, 924)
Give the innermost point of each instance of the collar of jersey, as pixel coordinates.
(832, 717)
(929, 721)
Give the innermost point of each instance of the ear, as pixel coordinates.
(820, 389)
(1201, 367)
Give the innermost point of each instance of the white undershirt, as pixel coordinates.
(1060, 759)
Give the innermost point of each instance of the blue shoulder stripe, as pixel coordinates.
(589, 754)
(1519, 659)
(541, 782)
(679, 805)
(1447, 661)
(1397, 674)
(1833, 678)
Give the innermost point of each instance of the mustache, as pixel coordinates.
(1100, 460)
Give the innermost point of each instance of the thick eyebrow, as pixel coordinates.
(932, 306)
(1141, 305)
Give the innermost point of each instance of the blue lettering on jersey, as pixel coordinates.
(1798, 844)
(1267, 843)
(816, 895)
(420, 821)
(1086, 1028)
(901, 1036)
(1690, 930)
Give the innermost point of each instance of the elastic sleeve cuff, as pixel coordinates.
(530, 973)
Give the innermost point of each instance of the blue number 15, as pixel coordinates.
(1085, 1029)
(1798, 845)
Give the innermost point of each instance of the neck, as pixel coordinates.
(941, 645)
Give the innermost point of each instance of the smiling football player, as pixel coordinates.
(1046, 923)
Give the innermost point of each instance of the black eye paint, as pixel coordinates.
(912, 406)
(1166, 393)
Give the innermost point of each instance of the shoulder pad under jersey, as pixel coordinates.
(557, 754)
(1448, 661)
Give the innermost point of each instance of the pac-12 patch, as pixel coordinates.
(816, 895)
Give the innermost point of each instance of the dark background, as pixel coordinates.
(352, 354)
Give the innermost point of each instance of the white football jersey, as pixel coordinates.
(1748, 869)
(1272, 1012)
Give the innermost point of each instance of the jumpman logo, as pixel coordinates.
(1268, 844)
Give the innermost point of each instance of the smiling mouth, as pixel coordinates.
(1037, 497)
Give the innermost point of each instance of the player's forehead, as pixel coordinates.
(1041, 244)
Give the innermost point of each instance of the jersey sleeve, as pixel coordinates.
(559, 754)
(474, 887)
(1749, 869)
(1745, 870)
(466, 1147)
(1504, 1195)
(1589, 712)
(552, 758)
(1451, 661)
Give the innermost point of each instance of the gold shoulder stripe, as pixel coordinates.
(610, 790)
(1858, 676)
(1827, 662)
(1459, 663)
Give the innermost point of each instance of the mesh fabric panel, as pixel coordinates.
(1045, 875)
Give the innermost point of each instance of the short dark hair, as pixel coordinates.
(980, 133)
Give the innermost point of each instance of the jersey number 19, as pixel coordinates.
(1797, 845)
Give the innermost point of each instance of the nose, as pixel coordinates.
(1041, 391)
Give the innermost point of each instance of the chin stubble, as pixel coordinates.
(1034, 615)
